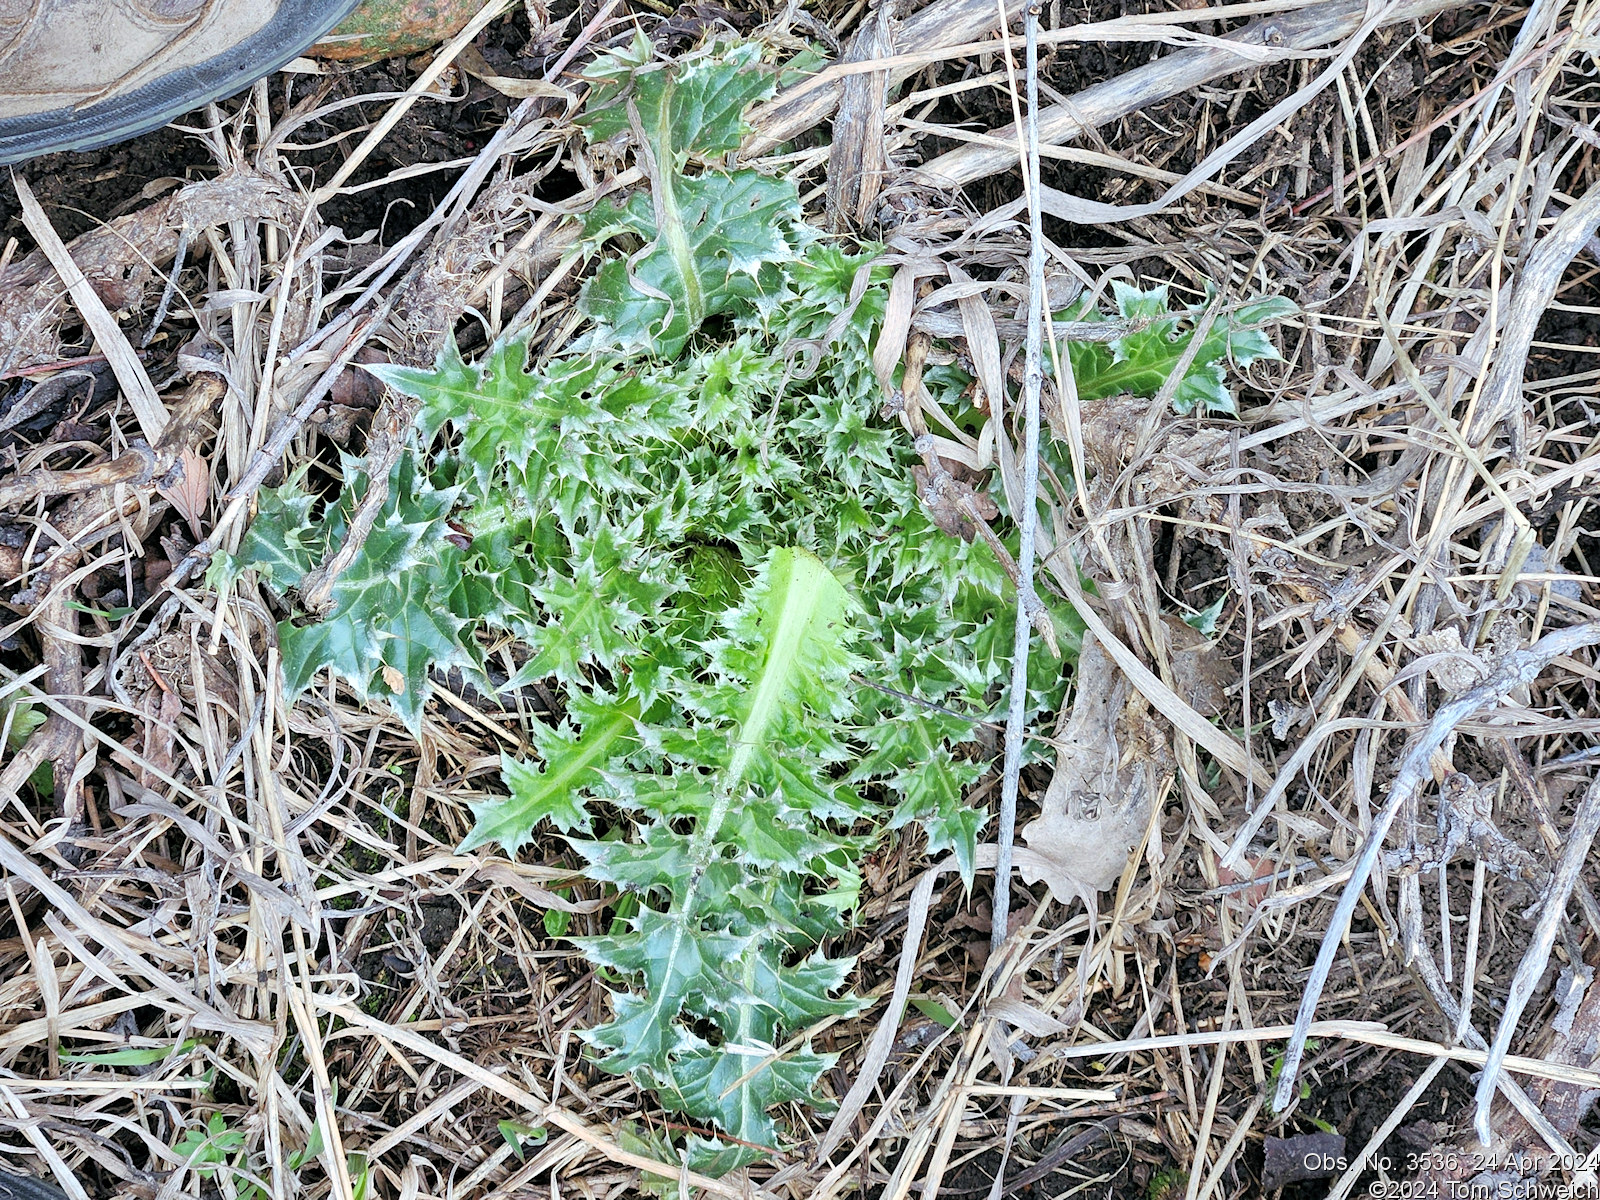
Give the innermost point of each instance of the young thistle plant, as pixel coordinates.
(692, 522)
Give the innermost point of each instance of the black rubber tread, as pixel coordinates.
(296, 27)
(26, 1187)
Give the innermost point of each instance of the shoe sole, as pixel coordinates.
(296, 27)
(26, 1187)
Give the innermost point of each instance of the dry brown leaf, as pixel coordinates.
(1201, 673)
(189, 489)
(517, 876)
(1025, 1017)
(951, 501)
(896, 325)
(1113, 761)
(161, 708)
(474, 64)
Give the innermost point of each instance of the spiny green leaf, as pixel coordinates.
(735, 1087)
(660, 861)
(573, 763)
(716, 1158)
(782, 664)
(708, 241)
(703, 1155)
(282, 542)
(798, 782)
(711, 242)
(802, 995)
(693, 106)
(504, 413)
(933, 787)
(768, 841)
(716, 578)
(789, 643)
(1140, 362)
(680, 965)
(595, 602)
(390, 621)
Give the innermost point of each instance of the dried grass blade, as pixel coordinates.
(35, 1136)
(891, 346)
(1522, 667)
(1028, 515)
(113, 343)
(1172, 75)
(256, 1037)
(1224, 748)
(542, 1109)
(1574, 857)
(943, 23)
(882, 1042)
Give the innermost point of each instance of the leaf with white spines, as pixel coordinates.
(736, 1087)
(713, 241)
(390, 622)
(572, 763)
(690, 107)
(681, 965)
(504, 414)
(283, 542)
(1140, 362)
(708, 240)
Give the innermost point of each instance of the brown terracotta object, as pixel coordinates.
(385, 28)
